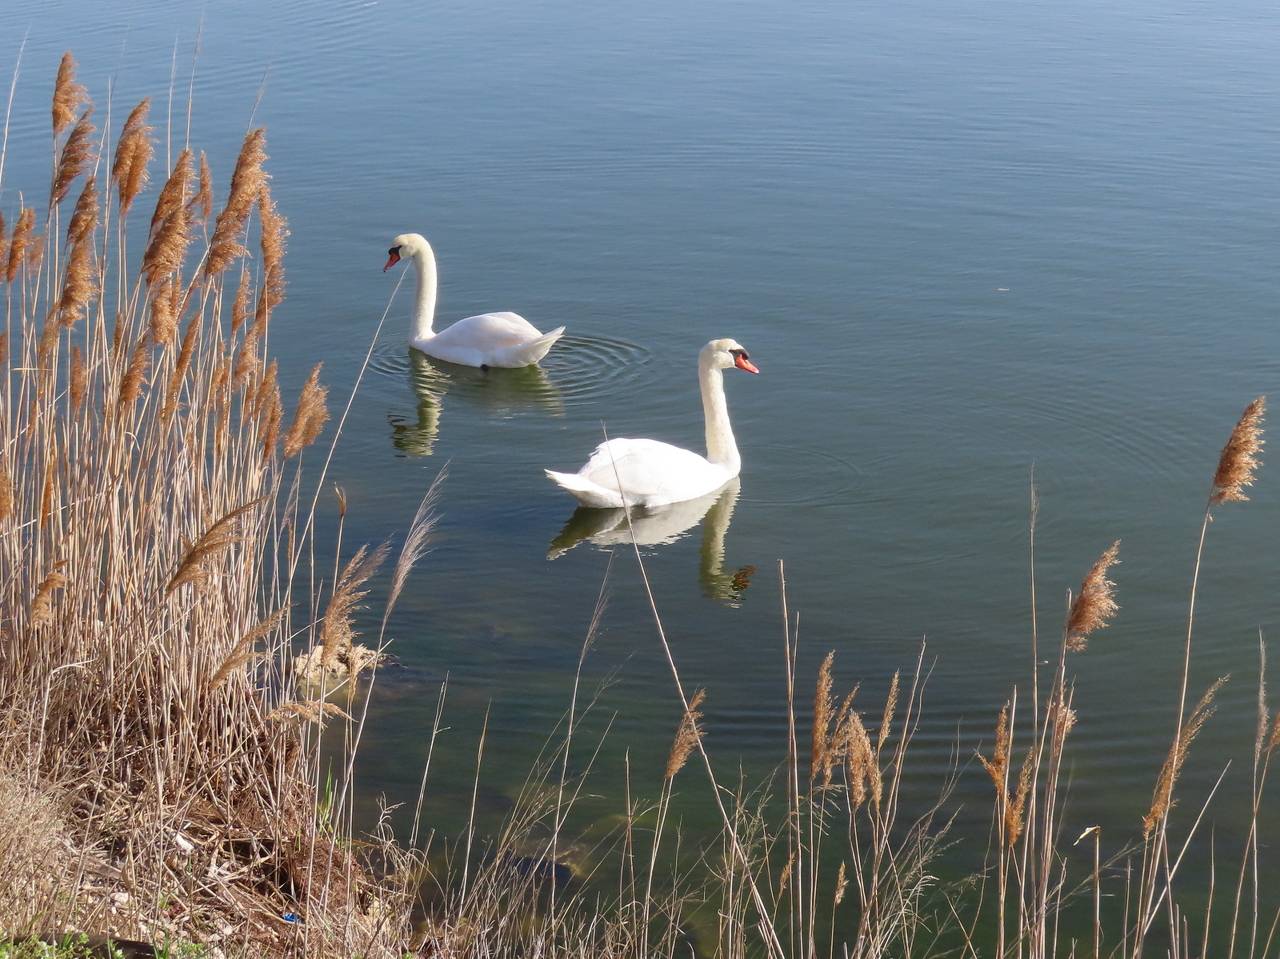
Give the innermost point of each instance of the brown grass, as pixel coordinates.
(1095, 604)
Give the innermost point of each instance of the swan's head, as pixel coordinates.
(725, 354)
(406, 244)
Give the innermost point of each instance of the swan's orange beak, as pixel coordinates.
(392, 260)
(742, 363)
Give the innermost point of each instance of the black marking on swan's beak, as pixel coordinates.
(393, 257)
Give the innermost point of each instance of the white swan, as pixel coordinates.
(648, 473)
(490, 339)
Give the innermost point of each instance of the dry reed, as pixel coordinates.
(688, 734)
(133, 155)
(1240, 460)
(68, 95)
(1095, 604)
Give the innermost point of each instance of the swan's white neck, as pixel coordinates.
(722, 449)
(424, 310)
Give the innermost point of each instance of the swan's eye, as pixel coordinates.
(740, 354)
(394, 251)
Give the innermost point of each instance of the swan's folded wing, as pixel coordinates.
(645, 469)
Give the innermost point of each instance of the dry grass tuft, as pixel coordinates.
(1239, 460)
(1096, 603)
(688, 734)
(216, 540)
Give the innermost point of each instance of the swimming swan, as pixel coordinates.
(650, 473)
(490, 339)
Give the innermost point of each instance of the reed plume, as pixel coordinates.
(6, 491)
(1239, 459)
(1015, 809)
(240, 306)
(133, 154)
(1162, 798)
(1095, 604)
(312, 711)
(47, 490)
(81, 280)
(84, 219)
(170, 232)
(19, 241)
(688, 734)
(68, 95)
(842, 883)
(247, 181)
(274, 230)
(131, 382)
(77, 379)
(180, 367)
(886, 718)
(860, 761)
(243, 651)
(42, 602)
(997, 766)
(337, 629)
(823, 711)
(77, 155)
(4, 247)
(309, 417)
(216, 540)
(202, 202)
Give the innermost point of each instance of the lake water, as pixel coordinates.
(958, 238)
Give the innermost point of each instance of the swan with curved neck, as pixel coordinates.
(489, 339)
(649, 473)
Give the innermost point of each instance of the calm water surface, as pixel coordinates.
(959, 238)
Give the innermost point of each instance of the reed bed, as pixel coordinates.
(177, 664)
(157, 569)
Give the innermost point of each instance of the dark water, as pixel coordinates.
(960, 239)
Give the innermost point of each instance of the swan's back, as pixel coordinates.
(648, 473)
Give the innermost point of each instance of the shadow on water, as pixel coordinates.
(607, 528)
(501, 392)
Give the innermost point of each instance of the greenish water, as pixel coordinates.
(959, 239)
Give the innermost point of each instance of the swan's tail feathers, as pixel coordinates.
(584, 491)
(526, 354)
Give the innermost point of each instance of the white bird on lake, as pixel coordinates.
(489, 339)
(648, 473)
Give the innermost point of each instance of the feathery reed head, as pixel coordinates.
(1096, 603)
(202, 202)
(997, 766)
(1239, 459)
(85, 217)
(309, 417)
(247, 182)
(4, 248)
(18, 243)
(170, 233)
(133, 153)
(1014, 820)
(77, 155)
(273, 232)
(213, 542)
(337, 629)
(67, 94)
(823, 711)
(688, 734)
(42, 602)
(1162, 798)
(6, 491)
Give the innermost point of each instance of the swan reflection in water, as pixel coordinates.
(607, 528)
(502, 392)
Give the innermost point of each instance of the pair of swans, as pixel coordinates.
(621, 472)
